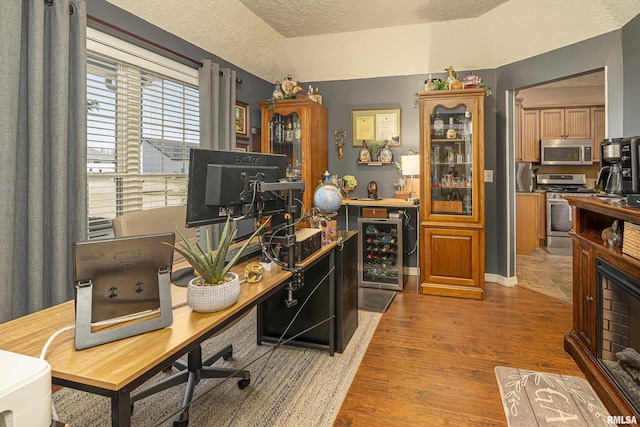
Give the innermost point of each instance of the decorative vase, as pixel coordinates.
(208, 299)
(385, 155)
(347, 192)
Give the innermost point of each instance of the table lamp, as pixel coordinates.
(410, 167)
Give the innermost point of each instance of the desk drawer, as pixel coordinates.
(374, 212)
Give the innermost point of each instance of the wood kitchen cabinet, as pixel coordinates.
(302, 137)
(452, 188)
(542, 218)
(565, 123)
(598, 130)
(530, 136)
(527, 218)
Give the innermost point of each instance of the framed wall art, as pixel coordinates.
(242, 119)
(378, 125)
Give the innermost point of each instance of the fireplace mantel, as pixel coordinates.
(591, 215)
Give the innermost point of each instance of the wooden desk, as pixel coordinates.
(115, 369)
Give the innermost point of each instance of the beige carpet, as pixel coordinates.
(536, 399)
(291, 387)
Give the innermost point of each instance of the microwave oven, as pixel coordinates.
(566, 152)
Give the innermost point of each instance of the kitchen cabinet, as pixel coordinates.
(452, 187)
(565, 123)
(530, 136)
(542, 218)
(598, 133)
(527, 222)
(298, 129)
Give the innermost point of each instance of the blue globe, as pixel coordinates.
(327, 198)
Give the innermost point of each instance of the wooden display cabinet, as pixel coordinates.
(305, 142)
(452, 187)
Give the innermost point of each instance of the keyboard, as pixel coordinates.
(252, 249)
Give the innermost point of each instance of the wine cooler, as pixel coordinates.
(380, 253)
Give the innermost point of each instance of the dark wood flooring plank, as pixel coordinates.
(431, 359)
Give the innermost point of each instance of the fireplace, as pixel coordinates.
(618, 328)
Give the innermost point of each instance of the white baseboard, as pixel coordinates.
(488, 277)
(501, 280)
(410, 271)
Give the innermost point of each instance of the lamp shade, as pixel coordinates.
(410, 165)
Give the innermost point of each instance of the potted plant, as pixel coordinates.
(374, 149)
(349, 183)
(215, 286)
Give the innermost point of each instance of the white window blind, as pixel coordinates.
(140, 126)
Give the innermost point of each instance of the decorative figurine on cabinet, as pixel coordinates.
(611, 236)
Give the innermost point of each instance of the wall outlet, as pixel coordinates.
(488, 175)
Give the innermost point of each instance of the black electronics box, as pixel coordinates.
(308, 241)
(633, 200)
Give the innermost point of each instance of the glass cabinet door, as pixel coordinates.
(451, 161)
(286, 138)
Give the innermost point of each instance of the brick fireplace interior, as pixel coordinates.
(618, 320)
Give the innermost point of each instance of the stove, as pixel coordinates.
(559, 185)
(559, 221)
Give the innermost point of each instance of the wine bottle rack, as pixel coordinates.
(380, 253)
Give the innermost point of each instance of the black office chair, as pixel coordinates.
(161, 220)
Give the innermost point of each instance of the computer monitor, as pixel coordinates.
(221, 185)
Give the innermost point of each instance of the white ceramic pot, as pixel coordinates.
(207, 299)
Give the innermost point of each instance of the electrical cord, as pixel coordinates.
(53, 336)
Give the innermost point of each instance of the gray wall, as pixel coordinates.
(341, 97)
(631, 67)
(588, 55)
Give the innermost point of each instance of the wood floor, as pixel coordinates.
(431, 359)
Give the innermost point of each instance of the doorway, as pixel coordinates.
(541, 266)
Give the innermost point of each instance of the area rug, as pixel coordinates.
(376, 300)
(290, 386)
(532, 398)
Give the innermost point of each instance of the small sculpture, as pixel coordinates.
(340, 135)
(611, 236)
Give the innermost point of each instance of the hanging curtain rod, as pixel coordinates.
(50, 3)
(146, 41)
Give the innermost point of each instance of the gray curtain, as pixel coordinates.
(217, 106)
(217, 87)
(42, 151)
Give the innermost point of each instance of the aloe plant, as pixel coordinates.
(210, 267)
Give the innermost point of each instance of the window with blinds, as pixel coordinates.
(141, 124)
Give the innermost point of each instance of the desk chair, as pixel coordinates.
(158, 220)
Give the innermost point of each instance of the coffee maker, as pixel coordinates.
(619, 166)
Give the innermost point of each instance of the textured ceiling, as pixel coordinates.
(319, 40)
(313, 17)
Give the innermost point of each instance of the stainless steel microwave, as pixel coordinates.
(566, 152)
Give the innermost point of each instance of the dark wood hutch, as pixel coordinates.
(591, 215)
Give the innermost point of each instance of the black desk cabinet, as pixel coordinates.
(346, 290)
(274, 317)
